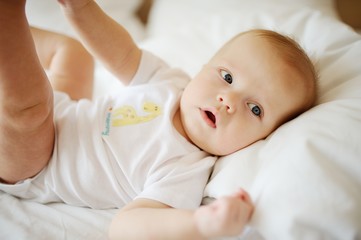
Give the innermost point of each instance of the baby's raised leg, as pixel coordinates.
(70, 67)
(26, 99)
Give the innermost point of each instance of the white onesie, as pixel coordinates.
(121, 147)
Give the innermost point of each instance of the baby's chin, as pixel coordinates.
(221, 151)
(227, 149)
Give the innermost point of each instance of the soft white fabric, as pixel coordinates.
(21, 219)
(194, 30)
(121, 147)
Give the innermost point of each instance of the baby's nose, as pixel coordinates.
(229, 101)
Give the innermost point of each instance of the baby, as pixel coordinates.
(149, 148)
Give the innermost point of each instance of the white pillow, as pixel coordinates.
(47, 14)
(305, 178)
(199, 27)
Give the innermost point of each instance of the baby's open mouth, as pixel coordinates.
(211, 116)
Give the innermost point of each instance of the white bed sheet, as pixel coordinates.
(21, 219)
(305, 179)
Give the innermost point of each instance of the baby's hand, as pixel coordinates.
(225, 216)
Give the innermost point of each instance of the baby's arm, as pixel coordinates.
(148, 219)
(70, 67)
(107, 40)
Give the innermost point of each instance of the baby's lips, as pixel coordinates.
(208, 119)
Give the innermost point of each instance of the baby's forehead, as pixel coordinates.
(278, 42)
(242, 38)
(250, 42)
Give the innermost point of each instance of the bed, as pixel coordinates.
(305, 178)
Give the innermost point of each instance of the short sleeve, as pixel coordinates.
(153, 69)
(180, 183)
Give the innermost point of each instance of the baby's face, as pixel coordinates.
(244, 93)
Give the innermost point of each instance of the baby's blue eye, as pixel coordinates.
(256, 110)
(226, 76)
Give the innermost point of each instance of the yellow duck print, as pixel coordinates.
(127, 115)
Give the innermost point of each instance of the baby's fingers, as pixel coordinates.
(242, 194)
(245, 197)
